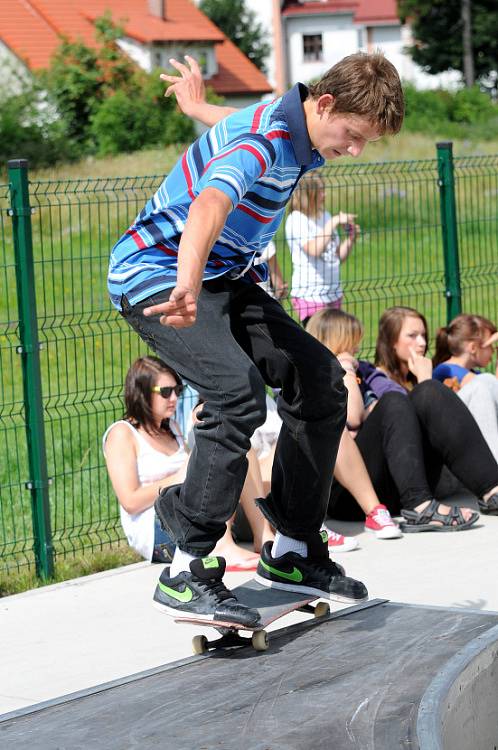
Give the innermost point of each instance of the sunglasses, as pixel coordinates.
(166, 390)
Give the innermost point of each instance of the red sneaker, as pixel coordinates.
(379, 522)
(339, 543)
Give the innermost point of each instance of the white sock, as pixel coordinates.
(283, 544)
(181, 561)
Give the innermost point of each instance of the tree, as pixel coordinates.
(30, 128)
(108, 103)
(81, 77)
(128, 123)
(438, 32)
(239, 24)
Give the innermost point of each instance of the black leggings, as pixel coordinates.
(406, 441)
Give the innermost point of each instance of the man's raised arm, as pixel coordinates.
(190, 93)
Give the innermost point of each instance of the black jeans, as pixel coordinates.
(241, 340)
(406, 441)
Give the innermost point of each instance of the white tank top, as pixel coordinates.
(152, 466)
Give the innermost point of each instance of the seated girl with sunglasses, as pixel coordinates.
(145, 452)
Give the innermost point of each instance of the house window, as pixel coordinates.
(201, 55)
(312, 47)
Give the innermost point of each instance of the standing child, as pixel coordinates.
(183, 276)
(316, 247)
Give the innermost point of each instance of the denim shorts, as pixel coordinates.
(164, 547)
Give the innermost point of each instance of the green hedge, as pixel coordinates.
(466, 113)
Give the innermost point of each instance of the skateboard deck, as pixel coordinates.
(271, 604)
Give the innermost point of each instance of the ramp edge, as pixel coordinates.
(432, 707)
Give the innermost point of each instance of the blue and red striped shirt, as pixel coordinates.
(256, 157)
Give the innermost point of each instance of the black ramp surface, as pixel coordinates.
(351, 682)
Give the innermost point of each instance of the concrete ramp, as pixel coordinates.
(377, 676)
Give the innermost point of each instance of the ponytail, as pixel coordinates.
(443, 351)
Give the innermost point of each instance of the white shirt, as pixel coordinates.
(316, 279)
(152, 465)
(268, 253)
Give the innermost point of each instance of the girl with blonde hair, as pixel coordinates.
(342, 333)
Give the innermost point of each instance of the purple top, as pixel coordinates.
(377, 381)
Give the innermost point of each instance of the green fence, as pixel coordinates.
(429, 240)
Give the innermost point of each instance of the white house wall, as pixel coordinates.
(14, 71)
(339, 38)
(264, 14)
(342, 37)
(138, 53)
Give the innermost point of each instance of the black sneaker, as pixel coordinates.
(202, 595)
(315, 574)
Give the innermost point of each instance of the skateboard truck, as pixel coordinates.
(230, 635)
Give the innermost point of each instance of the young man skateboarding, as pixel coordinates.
(183, 276)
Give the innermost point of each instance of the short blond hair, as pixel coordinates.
(305, 196)
(337, 330)
(366, 85)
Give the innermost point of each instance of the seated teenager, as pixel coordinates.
(144, 453)
(462, 348)
(451, 434)
(402, 443)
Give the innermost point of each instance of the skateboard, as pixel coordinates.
(271, 605)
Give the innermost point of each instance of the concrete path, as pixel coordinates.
(74, 635)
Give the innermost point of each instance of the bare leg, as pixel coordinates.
(253, 488)
(351, 472)
(265, 465)
(233, 553)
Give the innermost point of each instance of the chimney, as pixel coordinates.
(157, 8)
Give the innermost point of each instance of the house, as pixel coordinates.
(154, 31)
(309, 36)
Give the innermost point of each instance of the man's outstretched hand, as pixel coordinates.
(180, 311)
(188, 87)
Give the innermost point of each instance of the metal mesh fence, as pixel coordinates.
(476, 180)
(87, 348)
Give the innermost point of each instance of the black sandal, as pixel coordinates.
(489, 507)
(416, 521)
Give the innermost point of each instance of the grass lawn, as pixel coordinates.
(80, 211)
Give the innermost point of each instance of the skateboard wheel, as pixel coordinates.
(260, 640)
(322, 609)
(199, 644)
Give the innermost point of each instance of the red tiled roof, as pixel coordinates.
(377, 11)
(32, 29)
(364, 11)
(183, 22)
(232, 76)
(295, 8)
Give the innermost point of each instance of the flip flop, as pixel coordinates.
(242, 566)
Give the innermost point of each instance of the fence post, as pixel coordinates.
(29, 351)
(447, 200)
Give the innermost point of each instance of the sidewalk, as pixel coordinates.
(81, 633)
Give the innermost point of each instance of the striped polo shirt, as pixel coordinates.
(256, 157)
